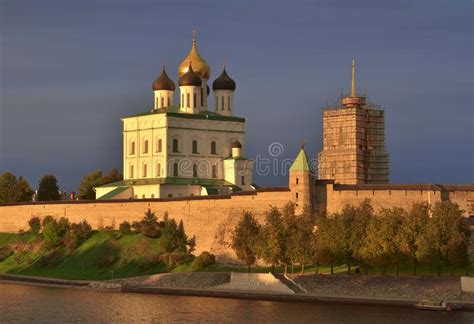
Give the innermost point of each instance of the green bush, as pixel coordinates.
(5, 252)
(125, 227)
(52, 259)
(205, 259)
(35, 225)
(107, 255)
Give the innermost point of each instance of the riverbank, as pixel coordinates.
(367, 290)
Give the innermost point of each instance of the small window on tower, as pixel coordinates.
(159, 146)
(175, 146)
(228, 103)
(217, 102)
(145, 146)
(169, 101)
(132, 148)
(195, 147)
(214, 171)
(213, 147)
(144, 170)
(187, 101)
(175, 169)
(222, 102)
(297, 180)
(194, 100)
(131, 171)
(242, 180)
(162, 102)
(158, 170)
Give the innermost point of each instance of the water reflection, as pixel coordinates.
(32, 304)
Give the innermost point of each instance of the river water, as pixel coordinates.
(35, 304)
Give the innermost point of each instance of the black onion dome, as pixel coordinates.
(163, 82)
(223, 82)
(190, 78)
(236, 144)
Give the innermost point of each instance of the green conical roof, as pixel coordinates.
(301, 162)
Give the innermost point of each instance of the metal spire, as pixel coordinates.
(353, 85)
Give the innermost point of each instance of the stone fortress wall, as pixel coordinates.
(212, 218)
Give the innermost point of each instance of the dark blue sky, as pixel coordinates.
(71, 69)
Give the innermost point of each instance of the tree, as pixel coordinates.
(96, 179)
(54, 231)
(447, 237)
(13, 189)
(149, 225)
(412, 228)
(327, 242)
(382, 243)
(88, 182)
(301, 237)
(352, 223)
(271, 241)
(35, 225)
(244, 239)
(48, 188)
(112, 176)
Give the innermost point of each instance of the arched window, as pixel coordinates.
(297, 180)
(202, 97)
(170, 196)
(131, 170)
(158, 170)
(175, 145)
(194, 99)
(132, 148)
(157, 102)
(152, 195)
(145, 146)
(169, 101)
(195, 147)
(213, 147)
(159, 146)
(222, 102)
(214, 171)
(217, 102)
(242, 180)
(182, 100)
(187, 100)
(175, 169)
(228, 103)
(195, 171)
(144, 170)
(162, 102)
(143, 196)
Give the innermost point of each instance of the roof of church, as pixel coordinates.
(163, 82)
(301, 162)
(223, 82)
(190, 78)
(171, 180)
(173, 111)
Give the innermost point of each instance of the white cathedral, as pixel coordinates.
(185, 149)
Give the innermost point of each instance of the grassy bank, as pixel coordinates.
(106, 255)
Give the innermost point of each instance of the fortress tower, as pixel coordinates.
(354, 142)
(301, 183)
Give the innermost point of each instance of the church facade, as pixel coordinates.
(184, 149)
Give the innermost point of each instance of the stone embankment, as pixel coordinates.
(384, 287)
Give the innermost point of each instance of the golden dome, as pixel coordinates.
(200, 67)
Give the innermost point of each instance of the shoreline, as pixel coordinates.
(210, 292)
